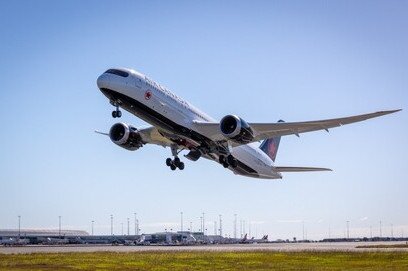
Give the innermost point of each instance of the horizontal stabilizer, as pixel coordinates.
(299, 169)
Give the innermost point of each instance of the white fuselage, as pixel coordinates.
(159, 101)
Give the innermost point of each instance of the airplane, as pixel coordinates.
(185, 238)
(177, 124)
(55, 241)
(264, 239)
(14, 242)
(252, 240)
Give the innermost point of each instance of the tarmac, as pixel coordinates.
(273, 247)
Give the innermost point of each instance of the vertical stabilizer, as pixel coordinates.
(270, 146)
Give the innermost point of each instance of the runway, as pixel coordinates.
(273, 247)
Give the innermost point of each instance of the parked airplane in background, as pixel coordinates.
(252, 240)
(14, 242)
(181, 126)
(55, 241)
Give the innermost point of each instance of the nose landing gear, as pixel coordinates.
(116, 113)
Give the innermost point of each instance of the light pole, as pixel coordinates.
(136, 226)
(380, 229)
(203, 222)
(19, 226)
(92, 227)
(348, 229)
(303, 230)
(235, 225)
(59, 225)
(191, 226)
(122, 228)
(181, 221)
(221, 225)
(128, 229)
(111, 217)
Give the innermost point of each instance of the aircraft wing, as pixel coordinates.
(269, 130)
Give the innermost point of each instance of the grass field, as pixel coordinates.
(207, 261)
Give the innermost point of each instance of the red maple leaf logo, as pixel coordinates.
(148, 95)
(272, 149)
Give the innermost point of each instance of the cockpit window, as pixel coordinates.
(118, 72)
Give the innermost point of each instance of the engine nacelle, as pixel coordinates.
(236, 129)
(125, 136)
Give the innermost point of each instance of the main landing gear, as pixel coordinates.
(228, 161)
(116, 113)
(175, 163)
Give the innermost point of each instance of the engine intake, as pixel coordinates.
(236, 129)
(125, 136)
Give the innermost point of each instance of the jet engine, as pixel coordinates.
(236, 129)
(125, 136)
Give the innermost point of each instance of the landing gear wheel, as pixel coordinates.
(114, 114)
(232, 161)
(181, 165)
(173, 167)
(222, 159)
(176, 161)
(169, 162)
(225, 164)
(119, 113)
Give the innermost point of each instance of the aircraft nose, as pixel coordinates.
(103, 81)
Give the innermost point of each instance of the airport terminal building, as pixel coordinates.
(42, 232)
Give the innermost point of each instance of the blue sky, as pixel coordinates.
(261, 60)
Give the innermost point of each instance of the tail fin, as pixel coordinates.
(270, 146)
(245, 237)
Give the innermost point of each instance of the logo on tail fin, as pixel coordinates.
(270, 146)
